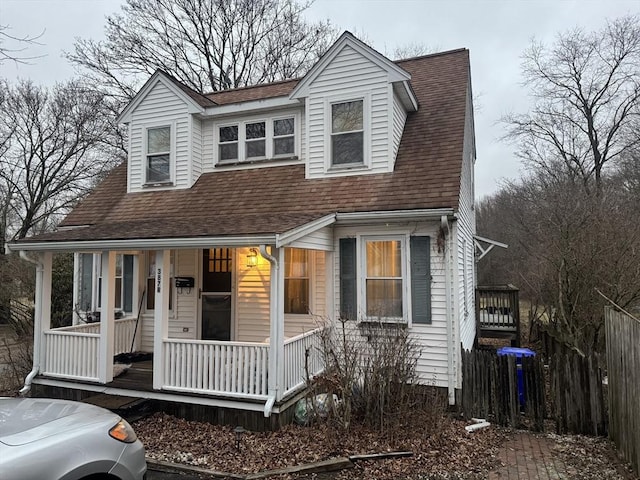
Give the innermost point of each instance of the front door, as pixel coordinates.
(216, 294)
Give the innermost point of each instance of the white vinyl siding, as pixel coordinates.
(349, 75)
(160, 107)
(196, 149)
(399, 119)
(252, 301)
(431, 338)
(465, 229)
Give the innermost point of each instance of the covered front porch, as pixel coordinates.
(261, 356)
(224, 370)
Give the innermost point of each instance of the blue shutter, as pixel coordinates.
(348, 298)
(127, 282)
(420, 279)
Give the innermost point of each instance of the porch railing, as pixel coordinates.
(302, 358)
(72, 352)
(220, 368)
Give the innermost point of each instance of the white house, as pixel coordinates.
(242, 217)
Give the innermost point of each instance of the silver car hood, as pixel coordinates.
(26, 420)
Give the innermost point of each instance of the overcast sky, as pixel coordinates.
(496, 32)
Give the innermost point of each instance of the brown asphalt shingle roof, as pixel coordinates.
(276, 199)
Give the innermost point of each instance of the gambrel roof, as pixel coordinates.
(276, 199)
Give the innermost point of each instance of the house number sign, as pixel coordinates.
(158, 280)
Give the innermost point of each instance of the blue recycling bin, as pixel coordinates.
(518, 353)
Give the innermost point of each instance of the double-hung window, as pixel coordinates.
(296, 281)
(255, 143)
(228, 143)
(284, 137)
(255, 140)
(158, 164)
(392, 282)
(347, 132)
(123, 295)
(384, 278)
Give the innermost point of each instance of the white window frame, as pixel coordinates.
(365, 97)
(219, 143)
(146, 154)
(311, 273)
(361, 245)
(269, 138)
(294, 135)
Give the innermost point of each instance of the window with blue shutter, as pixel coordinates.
(420, 279)
(348, 280)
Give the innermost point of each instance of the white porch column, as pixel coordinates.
(161, 315)
(107, 317)
(43, 309)
(276, 318)
(47, 268)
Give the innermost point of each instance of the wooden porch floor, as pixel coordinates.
(138, 377)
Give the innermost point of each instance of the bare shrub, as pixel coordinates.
(16, 353)
(371, 370)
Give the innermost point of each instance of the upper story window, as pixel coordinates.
(261, 139)
(158, 163)
(284, 136)
(255, 145)
(228, 143)
(347, 132)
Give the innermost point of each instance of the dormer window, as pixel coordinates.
(256, 140)
(284, 136)
(255, 146)
(228, 143)
(158, 165)
(347, 133)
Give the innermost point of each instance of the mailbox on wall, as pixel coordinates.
(185, 282)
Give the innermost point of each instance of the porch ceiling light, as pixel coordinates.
(252, 258)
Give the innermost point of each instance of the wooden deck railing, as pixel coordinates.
(302, 358)
(219, 368)
(498, 312)
(72, 352)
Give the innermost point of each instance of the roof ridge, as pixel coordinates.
(431, 55)
(248, 87)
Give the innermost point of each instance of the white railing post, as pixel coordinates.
(161, 315)
(107, 317)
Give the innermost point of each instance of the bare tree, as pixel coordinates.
(586, 89)
(209, 45)
(18, 46)
(564, 243)
(50, 158)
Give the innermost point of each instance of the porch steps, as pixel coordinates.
(130, 408)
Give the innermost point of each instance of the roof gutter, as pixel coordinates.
(144, 243)
(37, 328)
(396, 215)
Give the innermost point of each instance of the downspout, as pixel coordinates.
(273, 309)
(444, 225)
(37, 321)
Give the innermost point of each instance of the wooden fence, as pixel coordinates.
(578, 401)
(623, 359)
(569, 390)
(506, 390)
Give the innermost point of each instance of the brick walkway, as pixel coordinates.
(530, 456)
